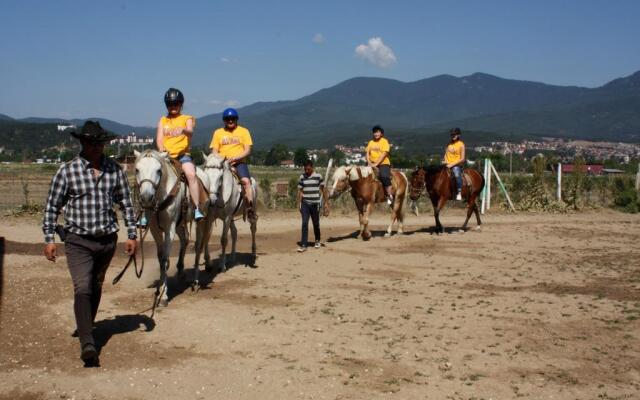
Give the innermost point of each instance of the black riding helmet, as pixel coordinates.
(173, 97)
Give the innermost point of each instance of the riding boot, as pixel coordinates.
(459, 196)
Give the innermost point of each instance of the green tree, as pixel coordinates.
(338, 156)
(277, 153)
(300, 156)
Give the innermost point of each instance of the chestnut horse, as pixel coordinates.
(440, 186)
(366, 190)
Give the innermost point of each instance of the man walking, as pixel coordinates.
(87, 187)
(310, 188)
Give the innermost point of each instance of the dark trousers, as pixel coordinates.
(309, 210)
(88, 259)
(384, 175)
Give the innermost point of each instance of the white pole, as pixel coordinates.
(559, 192)
(484, 190)
(489, 164)
(638, 178)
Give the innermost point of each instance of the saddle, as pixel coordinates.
(204, 191)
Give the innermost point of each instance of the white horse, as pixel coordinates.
(226, 202)
(162, 196)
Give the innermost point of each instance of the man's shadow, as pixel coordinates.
(105, 329)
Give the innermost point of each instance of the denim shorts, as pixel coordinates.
(242, 170)
(185, 158)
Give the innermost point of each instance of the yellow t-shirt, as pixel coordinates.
(176, 145)
(454, 152)
(375, 150)
(230, 144)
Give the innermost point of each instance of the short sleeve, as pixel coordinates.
(215, 142)
(247, 138)
(385, 146)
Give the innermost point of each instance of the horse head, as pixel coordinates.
(340, 181)
(417, 181)
(150, 167)
(220, 178)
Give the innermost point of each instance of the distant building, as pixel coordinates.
(589, 169)
(65, 127)
(287, 164)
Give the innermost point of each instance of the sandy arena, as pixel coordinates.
(536, 306)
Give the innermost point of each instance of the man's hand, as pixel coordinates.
(325, 210)
(50, 251)
(130, 247)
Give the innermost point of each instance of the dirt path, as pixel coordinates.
(534, 306)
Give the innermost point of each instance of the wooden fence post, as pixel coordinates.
(559, 191)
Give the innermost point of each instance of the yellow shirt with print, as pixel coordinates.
(454, 152)
(376, 148)
(230, 144)
(176, 145)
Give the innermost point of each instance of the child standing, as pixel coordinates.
(310, 190)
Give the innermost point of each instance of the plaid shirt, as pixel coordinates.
(88, 201)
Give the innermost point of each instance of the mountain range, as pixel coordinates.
(414, 112)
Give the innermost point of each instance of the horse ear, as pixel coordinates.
(136, 153)
(164, 154)
(227, 182)
(204, 155)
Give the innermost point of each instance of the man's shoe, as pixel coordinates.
(302, 249)
(89, 354)
(317, 245)
(197, 215)
(459, 196)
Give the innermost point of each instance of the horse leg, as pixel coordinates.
(400, 214)
(437, 206)
(469, 212)
(200, 234)
(475, 210)
(234, 240)
(207, 235)
(181, 231)
(164, 267)
(366, 235)
(254, 228)
(223, 243)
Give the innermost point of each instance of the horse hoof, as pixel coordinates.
(195, 286)
(477, 228)
(163, 302)
(387, 235)
(223, 268)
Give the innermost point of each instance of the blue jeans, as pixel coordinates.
(310, 210)
(185, 158)
(457, 172)
(242, 170)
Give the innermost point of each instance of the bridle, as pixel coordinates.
(221, 204)
(160, 206)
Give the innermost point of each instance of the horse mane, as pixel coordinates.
(213, 160)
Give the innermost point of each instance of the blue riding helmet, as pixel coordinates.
(230, 113)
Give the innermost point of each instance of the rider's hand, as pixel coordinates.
(50, 251)
(130, 247)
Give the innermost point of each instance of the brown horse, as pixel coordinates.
(366, 190)
(440, 186)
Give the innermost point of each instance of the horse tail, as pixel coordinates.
(401, 209)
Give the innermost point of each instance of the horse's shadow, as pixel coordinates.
(178, 284)
(105, 329)
(356, 235)
(432, 230)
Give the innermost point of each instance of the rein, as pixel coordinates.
(132, 258)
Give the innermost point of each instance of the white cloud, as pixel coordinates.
(228, 60)
(318, 38)
(377, 53)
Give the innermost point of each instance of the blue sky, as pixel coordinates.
(115, 59)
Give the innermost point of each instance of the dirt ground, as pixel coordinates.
(538, 306)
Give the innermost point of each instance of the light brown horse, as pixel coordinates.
(366, 190)
(438, 182)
